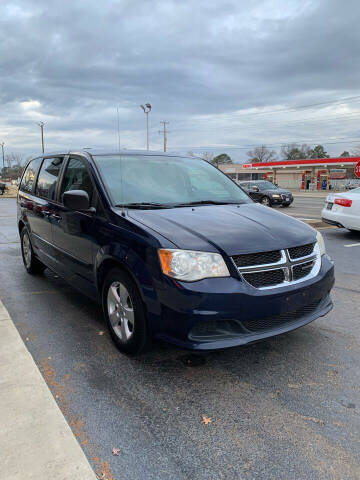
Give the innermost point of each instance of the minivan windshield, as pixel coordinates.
(154, 181)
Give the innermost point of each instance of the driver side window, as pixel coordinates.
(77, 177)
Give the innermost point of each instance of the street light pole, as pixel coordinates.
(41, 125)
(3, 155)
(147, 109)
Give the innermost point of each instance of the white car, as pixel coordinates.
(343, 210)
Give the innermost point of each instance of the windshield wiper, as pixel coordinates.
(205, 202)
(143, 205)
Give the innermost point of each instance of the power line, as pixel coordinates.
(310, 143)
(299, 107)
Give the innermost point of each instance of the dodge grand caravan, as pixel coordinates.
(172, 248)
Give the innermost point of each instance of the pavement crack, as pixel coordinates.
(347, 289)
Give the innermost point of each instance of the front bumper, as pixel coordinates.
(226, 312)
(282, 200)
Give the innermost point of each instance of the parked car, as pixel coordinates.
(3, 187)
(352, 185)
(267, 193)
(171, 248)
(343, 210)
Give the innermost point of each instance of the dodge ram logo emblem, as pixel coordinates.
(287, 274)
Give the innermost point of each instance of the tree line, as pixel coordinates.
(290, 151)
(11, 166)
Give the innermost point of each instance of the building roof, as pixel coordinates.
(306, 162)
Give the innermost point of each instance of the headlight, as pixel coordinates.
(321, 243)
(190, 266)
(275, 195)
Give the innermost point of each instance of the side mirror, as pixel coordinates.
(76, 200)
(254, 188)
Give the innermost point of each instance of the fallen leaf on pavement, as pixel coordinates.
(276, 394)
(206, 420)
(247, 466)
(116, 451)
(315, 420)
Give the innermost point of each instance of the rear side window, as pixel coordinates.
(47, 180)
(29, 176)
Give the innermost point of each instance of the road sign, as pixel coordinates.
(357, 169)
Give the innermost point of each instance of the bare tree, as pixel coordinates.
(207, 156)
(13, 159)
(356, 151)
(261, 154)
(294, 151)
(13, 169)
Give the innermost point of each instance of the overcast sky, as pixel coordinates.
(225, 74)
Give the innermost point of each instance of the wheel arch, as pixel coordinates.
(108, 264)
(21, 225)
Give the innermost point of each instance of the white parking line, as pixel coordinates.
(352, 245)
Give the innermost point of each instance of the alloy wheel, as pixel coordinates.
(265, 201)
(120, 311)
(27, 250)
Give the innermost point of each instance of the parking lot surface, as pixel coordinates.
(304, 208)
(286, 408)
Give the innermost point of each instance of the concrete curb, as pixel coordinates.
(312, 195)
(314, 222)
(36, 442)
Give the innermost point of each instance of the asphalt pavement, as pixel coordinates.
(304, 208)
(284, 409)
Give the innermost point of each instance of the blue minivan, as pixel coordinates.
(172, 249)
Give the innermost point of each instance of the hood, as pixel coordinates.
(231, 229)
(279, 190)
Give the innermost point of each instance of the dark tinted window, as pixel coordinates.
(77, 177)
(49, 172)
(265, 185)
(28, 179)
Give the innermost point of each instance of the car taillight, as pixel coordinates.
(344, 202)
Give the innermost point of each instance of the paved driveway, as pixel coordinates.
(287, 408)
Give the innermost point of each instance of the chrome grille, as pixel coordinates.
(261, 258)
(280, 267)
(303, 251)
(302, 270)
(266, 278)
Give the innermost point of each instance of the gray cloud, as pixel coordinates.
(206, 66)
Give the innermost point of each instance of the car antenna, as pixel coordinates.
(121, 172)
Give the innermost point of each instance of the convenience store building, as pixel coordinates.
(308, 174)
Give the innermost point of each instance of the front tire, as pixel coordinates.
(31, 263)
(265, 201)
(125, 313)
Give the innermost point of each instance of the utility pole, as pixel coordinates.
(3, 154)
(164, 132)
(147, 109)
(41, 125)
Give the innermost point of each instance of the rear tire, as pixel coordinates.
(31, 263)
(265, 201)
(124, 313)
